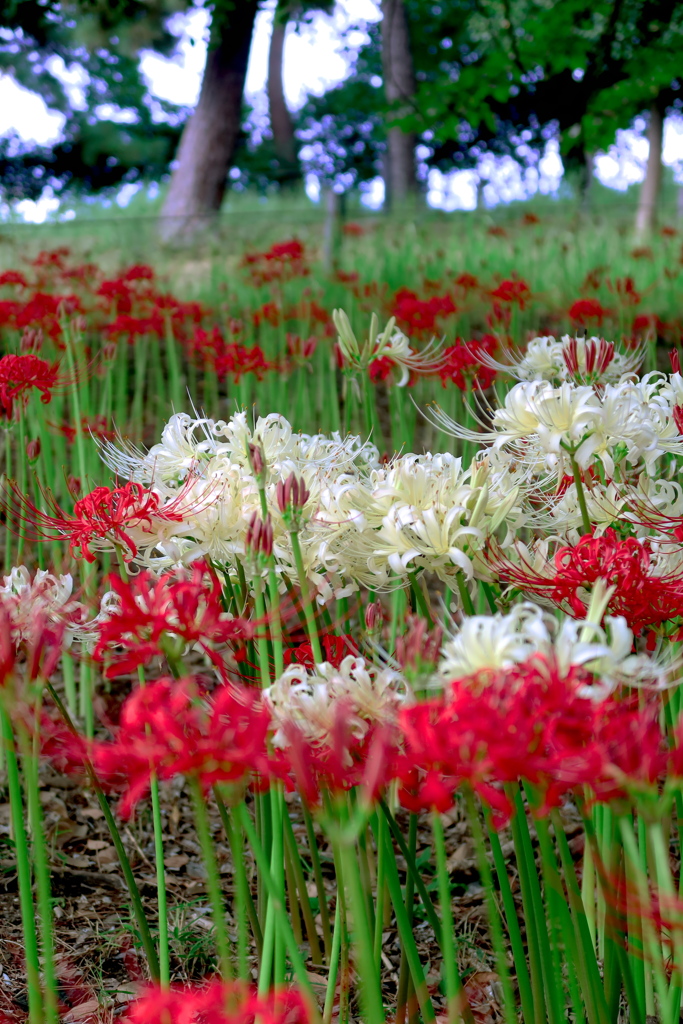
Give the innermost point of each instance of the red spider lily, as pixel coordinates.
(300, 350)
(65, 749)
(346, 276)
(13, 277)
(642, 597)
(496, 231)
(588, 311)
(353, 230)
(530, 218)
(269, 313)
(218, 1002)
(96, 427)
(419, 316)
(648, 322)
(335, 649)
(153, 612)
(47, 312)
(54, 258)
(235, 360)
(462, 365)
(139, 272)
(516, 293)
(527, 722)
(380, 369)
(19, 375)
(625, 289)
(131, 327)
(649, 515)
(282, 262)
(466, 282)
(106, 514)
(309, 310)
(168, 728)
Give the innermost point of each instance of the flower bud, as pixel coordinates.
(374, 617)
(33, 450)
(73, 484)
(256, 459)
(259, 536)
(31, 340)
(348, 342)
(291, 496)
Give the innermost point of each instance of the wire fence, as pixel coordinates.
(139, 235)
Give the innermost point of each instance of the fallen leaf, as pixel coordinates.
(176, 861)
(83, 1012)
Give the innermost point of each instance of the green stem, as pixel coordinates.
(162, 902)
(406, 989)
(580, 494)
(319, 883)
(543, 983)
(405, 931)
(306, 599)
(495, 926)
(262, 639)
(247, 908)
(35, 996)
(296, 960)
(300, 882)
(465, 596)
(42, 878)
(420, 599)
(212, 877)
(426, 899)
(371, 995)
(22, 483)
(519, 957)
(454, 992)
(381, 826)
(334, 955)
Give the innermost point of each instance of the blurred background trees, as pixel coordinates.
(437, 84)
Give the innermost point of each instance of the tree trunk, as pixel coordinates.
(400, 180)
(209, 139)
(646, 214)
(281, 122)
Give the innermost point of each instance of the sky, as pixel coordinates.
(313, 61)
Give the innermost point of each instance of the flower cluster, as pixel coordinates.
(359, 523)
(218, 1002)
(171, 728)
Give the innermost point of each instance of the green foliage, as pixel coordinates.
(488, 69)
(121, 133)
(343, 131)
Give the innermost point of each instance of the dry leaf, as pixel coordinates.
(82, 1014)
(176, 861)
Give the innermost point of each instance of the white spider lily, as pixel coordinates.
(500, 641)
(312, 701)
(24, 598)
(391, 344)
(583, 360)
(539, 423)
